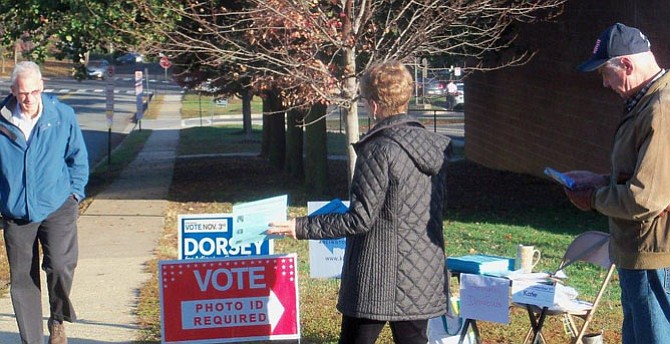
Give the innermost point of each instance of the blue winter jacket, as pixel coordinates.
(36, 179)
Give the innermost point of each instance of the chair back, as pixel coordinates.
(591, 247)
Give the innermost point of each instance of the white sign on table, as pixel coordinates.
(484, 298)
(533, 293)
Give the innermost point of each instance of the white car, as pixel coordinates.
(130, 58)
(97, 69)
(459, 98)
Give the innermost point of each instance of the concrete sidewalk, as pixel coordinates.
(117, 236)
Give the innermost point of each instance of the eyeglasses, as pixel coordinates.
(34, 93)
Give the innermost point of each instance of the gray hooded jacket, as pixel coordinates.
(394, 259)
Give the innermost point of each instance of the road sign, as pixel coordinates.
(165, 62)
(109, 96)
(229, 300)
(110, 72)
(139, 92)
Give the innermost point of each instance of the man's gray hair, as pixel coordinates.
(614, 62)
(25, 67)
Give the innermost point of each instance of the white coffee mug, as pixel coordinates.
(526, 258)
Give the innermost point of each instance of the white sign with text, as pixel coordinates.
(533, 293)
(485, 298)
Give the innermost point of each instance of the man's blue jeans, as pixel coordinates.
(645, 299)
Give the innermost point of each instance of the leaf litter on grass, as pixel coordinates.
(503, 206)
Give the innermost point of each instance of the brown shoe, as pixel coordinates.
(56, 332)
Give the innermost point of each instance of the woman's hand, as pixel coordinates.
(284, 228)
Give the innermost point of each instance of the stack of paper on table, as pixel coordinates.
(479, 264)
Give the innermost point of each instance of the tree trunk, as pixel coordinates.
(294, 136)
(246, 114)
(316, 151)
(273, 146)
(4, 63)
(16, 52)
(351, 114)
(265, 131)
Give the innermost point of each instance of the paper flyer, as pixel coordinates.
(251, 219)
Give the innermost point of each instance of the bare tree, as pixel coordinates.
(314, 51)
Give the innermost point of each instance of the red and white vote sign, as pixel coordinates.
(229, 300)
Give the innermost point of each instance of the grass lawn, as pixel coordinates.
(198, 104)
(488, 212)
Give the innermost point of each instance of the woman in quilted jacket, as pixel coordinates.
(394, 258)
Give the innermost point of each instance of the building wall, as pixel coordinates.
(546, 113)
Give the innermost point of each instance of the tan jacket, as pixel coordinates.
(639, 188)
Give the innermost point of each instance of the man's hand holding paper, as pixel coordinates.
(586, 183)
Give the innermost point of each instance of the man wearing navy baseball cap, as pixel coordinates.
(617, 40)
(636, 196)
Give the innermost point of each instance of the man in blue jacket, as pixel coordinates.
(43, 173)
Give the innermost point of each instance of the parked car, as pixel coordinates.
(130, 58)
(434, 87)
(97, 69)
(459, 100)
(207, 87)
(460, 96)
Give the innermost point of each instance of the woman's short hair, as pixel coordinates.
(24, 68)
(389, 84)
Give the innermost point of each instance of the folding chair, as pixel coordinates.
(591, 247)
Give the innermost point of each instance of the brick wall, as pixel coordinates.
(546, 113)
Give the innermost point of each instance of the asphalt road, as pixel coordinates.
(89, 100)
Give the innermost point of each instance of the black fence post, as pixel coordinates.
(340, 109)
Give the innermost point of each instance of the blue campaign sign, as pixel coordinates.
(326, 256)
(204, 236)
(331, 245)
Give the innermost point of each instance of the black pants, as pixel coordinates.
(57, 235)
(366, 331)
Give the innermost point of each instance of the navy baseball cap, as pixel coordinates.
(617, 40)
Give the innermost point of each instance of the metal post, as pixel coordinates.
(340, 108)
(146, 75)
(146, 91)
(416, 84)
(200, 106)
(109, 146)
(434, 121)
